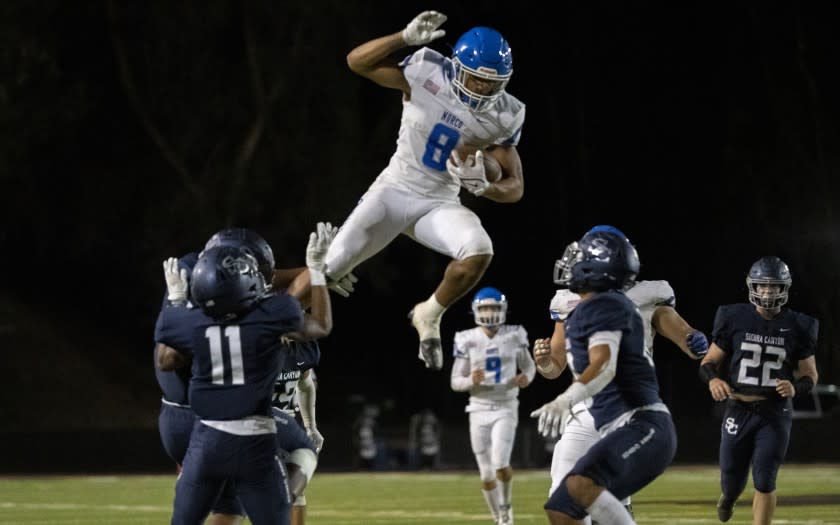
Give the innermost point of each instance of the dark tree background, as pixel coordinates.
(131, 131)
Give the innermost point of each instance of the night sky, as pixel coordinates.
(132, 131)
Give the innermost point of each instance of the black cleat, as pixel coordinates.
(629, 508)
(725, 509)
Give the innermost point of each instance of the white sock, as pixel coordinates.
(505, 492)
(626, 501)
(492, 498)
(433, 307)
(607, 509)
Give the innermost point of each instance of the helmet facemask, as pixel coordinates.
(563, 266)
(479, 88)
(770, 299)
(490, 312)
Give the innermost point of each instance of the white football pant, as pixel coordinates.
(384, 212)
(492, 433)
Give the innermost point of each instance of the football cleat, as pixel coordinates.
(629, 508)
(725, 509)
(428, 328)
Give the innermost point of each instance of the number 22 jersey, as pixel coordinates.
(760, 351)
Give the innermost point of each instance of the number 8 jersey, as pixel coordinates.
(759, 351)
(434, 122)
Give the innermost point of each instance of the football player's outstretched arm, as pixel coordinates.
(372, 59)
(282, 279)
(511, 186)
(318, 322)
(670, 324)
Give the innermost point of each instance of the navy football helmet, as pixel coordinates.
(483, 66)
(769, 271)
(603, 259)
(226, 281)
(489, 307)
(250, 242)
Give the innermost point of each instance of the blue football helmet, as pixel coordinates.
(603, 259)
(489, 307)
(226, 282)
(250, 242)
(769, 271)
(483, 66)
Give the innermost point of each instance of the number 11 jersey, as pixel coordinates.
(236, 363)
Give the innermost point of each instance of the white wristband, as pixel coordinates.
(317, 278)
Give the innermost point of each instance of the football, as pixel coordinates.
(492, 168)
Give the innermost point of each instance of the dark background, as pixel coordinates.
(131, 131)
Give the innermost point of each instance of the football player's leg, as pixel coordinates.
(736, 448)
(771, 442)
(480, 443)
(261, 484)
(502, 437)
(227, 510)
(297, 450)
(381, 214)
(578, 436)
(454, 230)
(200, 480)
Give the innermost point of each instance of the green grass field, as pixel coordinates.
(808, 495)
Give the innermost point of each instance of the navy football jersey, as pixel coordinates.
(634, 384)
(296, 358)
(760, 351)
(235, 363)
(174, 384)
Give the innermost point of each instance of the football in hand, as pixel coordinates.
(492, 168)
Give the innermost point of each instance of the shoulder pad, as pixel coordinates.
(652, 293)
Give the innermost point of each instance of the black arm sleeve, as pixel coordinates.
(708, 372)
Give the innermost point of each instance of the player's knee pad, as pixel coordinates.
(300, 501)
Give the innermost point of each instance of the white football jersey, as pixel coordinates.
(435, 121)
(648, 296)
(500, 357)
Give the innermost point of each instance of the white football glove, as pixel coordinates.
(344, 286)
(469, 173)
(176, 281)
(316, 253)
(562, 304)
(424, 28)
(316, 438)
(552, 416)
